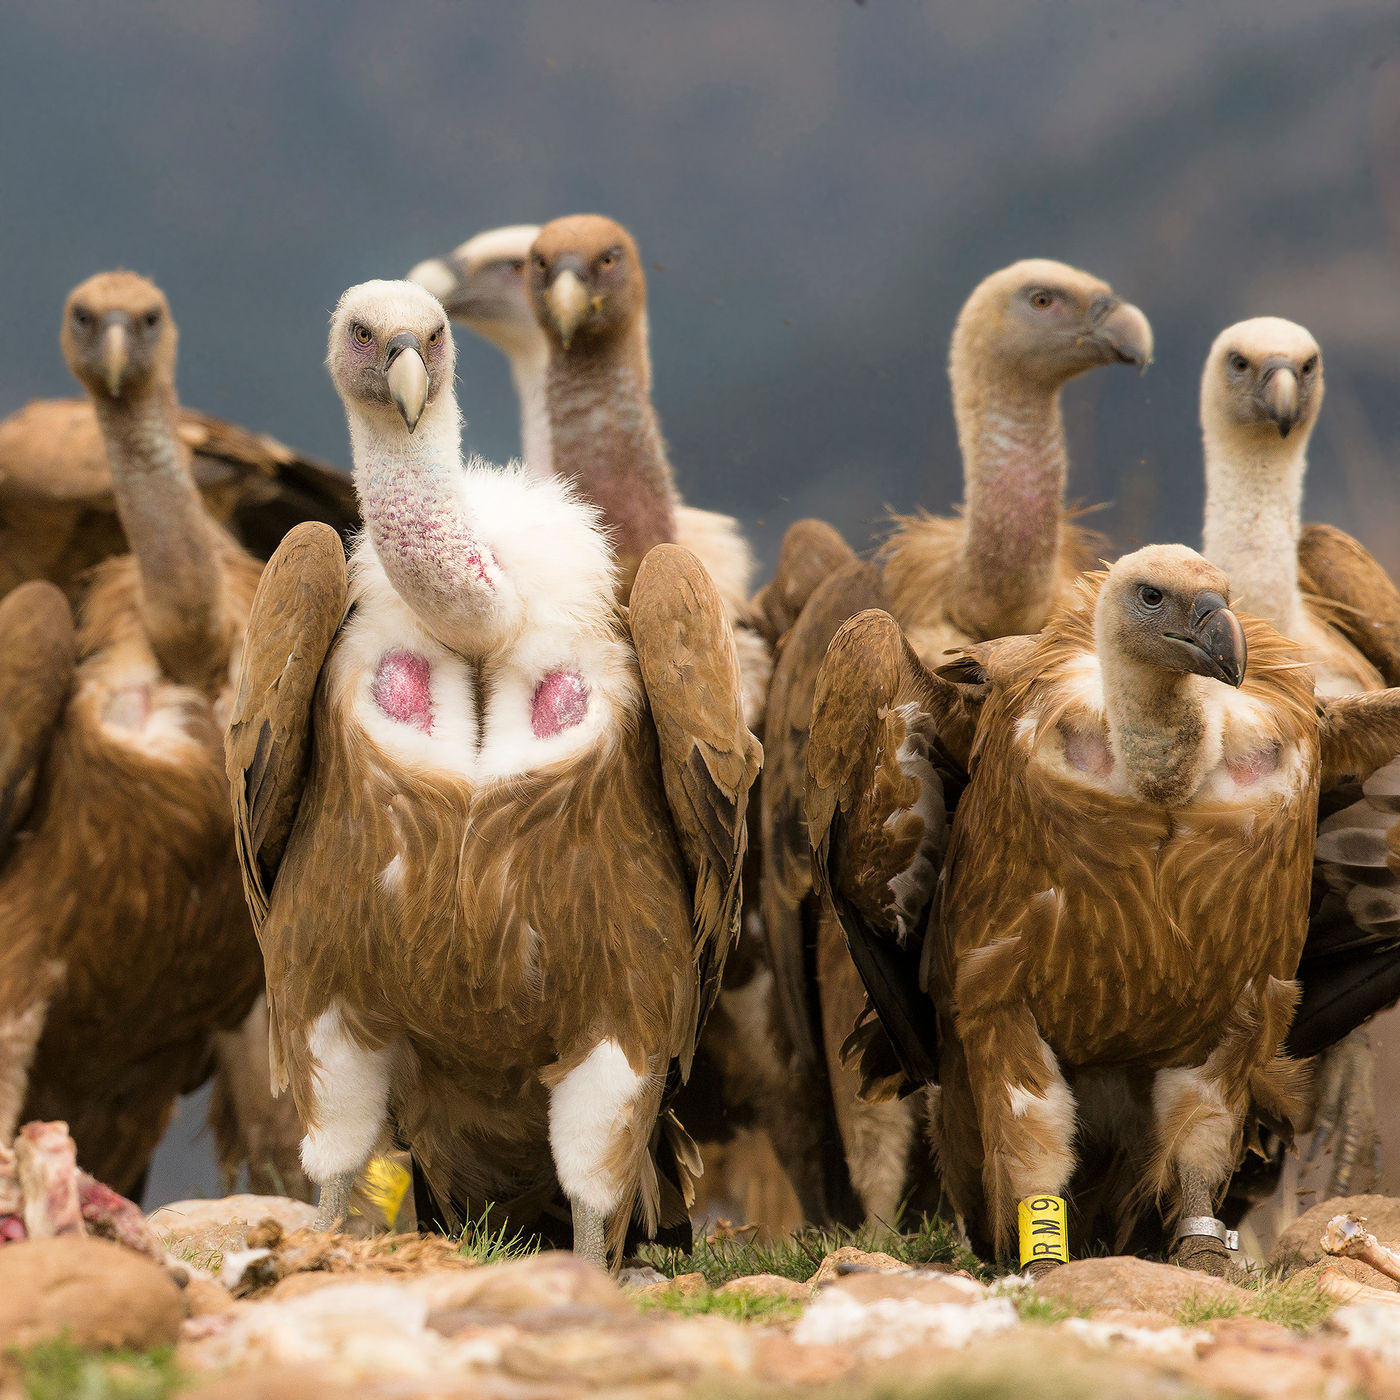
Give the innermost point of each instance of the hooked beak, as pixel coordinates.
(1123, 332)
(568, 303)
(116, 355)
(1214, 645)
(1278, 396)
(407, 376)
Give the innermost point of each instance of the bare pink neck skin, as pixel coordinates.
(171, 535)
(605, 437)
(1015, 466)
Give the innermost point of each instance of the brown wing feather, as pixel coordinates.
(709, 760)
(787, 860)
(1358, 597)
(811, 551)
(39, 650)
(1360, 733)
(297, 611)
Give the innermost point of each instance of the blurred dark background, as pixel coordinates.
(815, 185)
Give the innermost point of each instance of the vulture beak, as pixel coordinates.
(1122, 331)
(1214, 644)
(568, 303)
(407, 377)
(1278, 394)
(116, 354)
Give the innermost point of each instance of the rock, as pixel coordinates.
(767, 1286)
(223, 1225)
(1276, 1375)
(883, 1327)
(100, 1293)
(779, 1360)
(555, 1281)
(1251, 1332)
(848, 1256)
(1372, 1326)
(279, 1383)
(1125, 1282)
(1354, 1269)
(1300, 1244)
(205, 1298)
(909, 1284)
(633, 1280)
(682, 1286)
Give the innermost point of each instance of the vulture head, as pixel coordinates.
(1263, 379)
(1166, 607)
(118, 336)
(1046, 322)
(390, 354)
(586, 280)
(483, 285)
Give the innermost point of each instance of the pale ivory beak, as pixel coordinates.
(116, 354)
(567, 299)
(408, 383)
(1280, 397)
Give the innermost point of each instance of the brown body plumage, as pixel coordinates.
(1125, 896)
(997, 568)
(458, 923)
(127, 948)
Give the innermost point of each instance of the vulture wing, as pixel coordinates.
(1361, 601)
(39, 650)
(51, 451)
(882, 783)
(297, 611)
(787, 874)
(811, 552)
(709, 760)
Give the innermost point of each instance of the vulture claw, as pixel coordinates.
(1345, 1124)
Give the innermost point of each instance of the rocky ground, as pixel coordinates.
(250, 1302)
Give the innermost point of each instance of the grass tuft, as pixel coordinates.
(738, 1307)
(479, 1242)
(59, 1370)
(1296, 1303)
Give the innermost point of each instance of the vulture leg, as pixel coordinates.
(333, 1207)
(1025, 1110)
(1346, 1115)
(1207, 1251)
(590, 1234)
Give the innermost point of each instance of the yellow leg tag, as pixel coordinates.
(1043, 1230)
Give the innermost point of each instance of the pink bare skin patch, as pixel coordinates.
(561, 702)
(1254, 767)
(1087, 751)
(403, 689)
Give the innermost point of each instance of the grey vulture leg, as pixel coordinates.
(1207, 1253)
(590, 1234)
(334, 1206)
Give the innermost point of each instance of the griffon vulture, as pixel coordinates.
(1261, 392)
(996, 568)
(126, 949)
(58, 515)
(1125, 895)
(491, 824)
(575, 335)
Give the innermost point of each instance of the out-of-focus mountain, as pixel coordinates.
(816, 185)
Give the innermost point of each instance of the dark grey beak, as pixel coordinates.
(1214, 646)
(1122, 331)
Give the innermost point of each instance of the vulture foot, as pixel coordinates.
(1038, 1268)
(1205, 1255)
(334, 1207)
(1346, 1116)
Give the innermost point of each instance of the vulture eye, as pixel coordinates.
(1238, 363)
(608, 258)
(82, 317)
(151, 319)
(1310, 364)
(1042, 298)
(435, 337)
(517, 264)
(540, 264)
(361, 333)
(1151, 597)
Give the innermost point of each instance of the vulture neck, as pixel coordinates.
(1254, 507)
(528, 371)
(605, 438)
(170, 534)
(413, 498)
(1013, 449)
(1157, 728)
